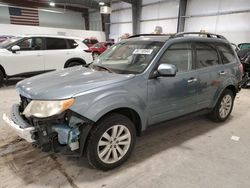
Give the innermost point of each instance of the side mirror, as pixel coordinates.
(15, 48)
(166, 70)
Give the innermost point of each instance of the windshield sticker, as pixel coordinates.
(143, 51)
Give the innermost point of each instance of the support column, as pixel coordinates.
(136, 16)
(106, 24)
(181, 15)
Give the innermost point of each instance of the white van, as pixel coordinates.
(34, 54)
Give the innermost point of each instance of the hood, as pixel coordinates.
(67, 83)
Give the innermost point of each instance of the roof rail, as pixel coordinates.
(145, 35)
(208, 35)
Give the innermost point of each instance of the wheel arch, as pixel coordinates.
(3, 70)
(129, 113)
(82, 61)
(231, 87)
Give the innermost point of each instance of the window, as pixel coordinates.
(35, 43)
(55, 44)
(94, 41)
(72, 44)
(206, 55)
(25, 44)
(179, 55)
(226, 53)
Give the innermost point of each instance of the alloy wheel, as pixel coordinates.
(114, 144)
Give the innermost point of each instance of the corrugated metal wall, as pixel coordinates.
(227, 17)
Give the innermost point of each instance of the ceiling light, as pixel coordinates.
(52, 4)
(101, 3)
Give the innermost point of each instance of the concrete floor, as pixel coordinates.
(191, 153)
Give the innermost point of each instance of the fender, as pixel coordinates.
(227, 82)
(107, 101)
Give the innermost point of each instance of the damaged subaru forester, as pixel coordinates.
(98, 110)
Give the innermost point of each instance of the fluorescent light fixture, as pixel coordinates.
(101, 3)
(52, 4)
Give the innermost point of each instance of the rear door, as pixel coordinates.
(56, 53)
(211, 73)
(170, 97)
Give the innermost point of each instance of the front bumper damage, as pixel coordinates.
(17, 124)
(64, 133)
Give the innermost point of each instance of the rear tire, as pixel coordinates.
(73, 64)
(111, 142)
(1, 78)
(224, 106)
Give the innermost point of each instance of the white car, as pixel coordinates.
(33, 54)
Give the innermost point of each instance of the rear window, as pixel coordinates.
(72, 44)
(55, 44)
(94, 41)
(206, 55)
(226, 53)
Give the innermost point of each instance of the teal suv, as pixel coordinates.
(98, 110)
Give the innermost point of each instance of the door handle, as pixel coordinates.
(222, 72)
(192, 80)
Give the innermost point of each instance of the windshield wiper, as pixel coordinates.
(105, 68)
(87, 65)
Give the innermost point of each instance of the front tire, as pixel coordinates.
(224, 106)
(111, 142)
(1, 78)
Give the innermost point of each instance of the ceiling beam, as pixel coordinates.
(129, 1)
(85, 3)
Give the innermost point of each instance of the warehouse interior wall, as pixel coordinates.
(95, 20)
(226, 17)
(121, 19)
(9, 29)
(59, 18)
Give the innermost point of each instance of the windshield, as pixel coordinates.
(130, 57)
(8, 42)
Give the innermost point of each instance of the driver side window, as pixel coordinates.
(31, 44)
(179, 55)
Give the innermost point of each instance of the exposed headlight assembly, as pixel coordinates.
(43, 109)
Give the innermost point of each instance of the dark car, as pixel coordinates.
(244, 46)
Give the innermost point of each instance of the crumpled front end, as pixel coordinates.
(58, 133)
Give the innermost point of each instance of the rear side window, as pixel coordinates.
(72, 44)
(55, 44)
(226, 53)
(206, 55)
(179, 55)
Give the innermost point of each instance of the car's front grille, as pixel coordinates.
(24, 102)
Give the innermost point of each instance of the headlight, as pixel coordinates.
(42, 109)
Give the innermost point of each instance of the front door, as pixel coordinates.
(29, 59)
(170, 97)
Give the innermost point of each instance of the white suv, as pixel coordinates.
(30, 55)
